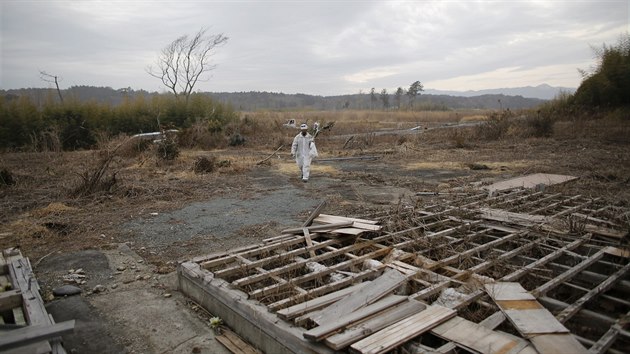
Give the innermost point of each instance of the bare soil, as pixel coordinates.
(154, 214)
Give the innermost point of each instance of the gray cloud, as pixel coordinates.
(318, 47)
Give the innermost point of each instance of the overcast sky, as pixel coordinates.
(320, 47)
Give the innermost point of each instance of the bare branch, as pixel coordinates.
(182, 63)
(53, 79)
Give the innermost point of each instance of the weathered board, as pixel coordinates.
(398, 333)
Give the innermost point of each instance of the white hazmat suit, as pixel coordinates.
(304, 150)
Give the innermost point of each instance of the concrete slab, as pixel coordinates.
(530, 181)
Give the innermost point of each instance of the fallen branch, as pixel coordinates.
(270, 156)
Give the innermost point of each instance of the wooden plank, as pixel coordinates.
(329, 219)
(529, 181)
(364, 226)
(392, 336)
(234, 343)
(33, 334)
(348, 231)
(18, 316)
(363, 329)
(42, 347)
(532, 320)
(291, 312)
(557, 344)
(320, 332)
(5, 283)
(10, 299)
(314, 214)
(491, 322)
(33, 305)
(506, 291)
(381, 286)
(324, 227)
(309, 242)
(625, 253)
(477, 338)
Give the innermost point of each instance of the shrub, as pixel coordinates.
(541, 126)
(495, 127)
(167, 147)
(205, 164)
(6, 178)
(236, 140)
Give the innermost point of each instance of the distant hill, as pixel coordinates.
(543, 92)
(254, 100)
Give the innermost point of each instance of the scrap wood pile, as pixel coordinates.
(25, 326)
(520, 271)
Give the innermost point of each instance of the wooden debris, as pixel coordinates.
(532, 320)
(33, 334)
(234, 343)
(363, 329)
(479, 339)
(398, 333)
(39, 332)
(529, 181)
(326, 329)
(383, 285)
(547, 241)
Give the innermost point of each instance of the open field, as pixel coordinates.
(165, 212)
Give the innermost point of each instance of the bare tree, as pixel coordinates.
(53, 79)
(182, 63)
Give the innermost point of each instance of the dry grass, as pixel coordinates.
(39, 208)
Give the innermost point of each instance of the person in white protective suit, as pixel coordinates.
(304, 150)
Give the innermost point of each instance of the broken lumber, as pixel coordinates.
(234, 343)
(381, 286)
(398, 333)
(32, 334)
(532, 320)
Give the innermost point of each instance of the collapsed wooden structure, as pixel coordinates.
(519, 271)
(25, 325)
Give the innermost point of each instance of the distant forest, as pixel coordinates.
(255, 101)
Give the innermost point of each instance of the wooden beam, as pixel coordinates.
(548, 258)
(234, 343)
(292, 312)
(10, 299)
(324, 227)
(569, 311)
(32, 334)
(314, 214)
(543, 289)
